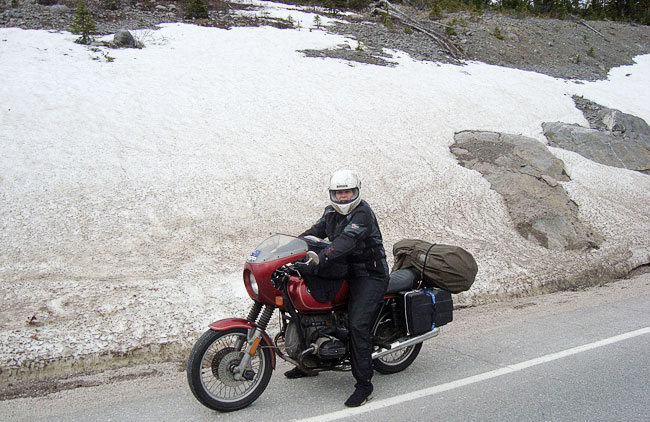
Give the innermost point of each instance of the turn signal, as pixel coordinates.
(279, 301)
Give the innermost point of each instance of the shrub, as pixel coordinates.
(358, 4)
(454, 6)
(110, 4)
(497, 33)
(436, 11)
(408, 30)
(196, 9)
(388, 22)
(516, 5)
(330, 5)
(591, 53)
(83, 24)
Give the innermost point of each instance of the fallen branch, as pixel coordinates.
(383, 6)
(581, 22)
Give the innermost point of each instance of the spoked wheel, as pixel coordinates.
(210, 370)
(400, 359)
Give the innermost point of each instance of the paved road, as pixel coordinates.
(571, 356)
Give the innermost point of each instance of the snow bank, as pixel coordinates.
(135, 182)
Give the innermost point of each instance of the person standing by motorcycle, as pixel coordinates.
(356, 241)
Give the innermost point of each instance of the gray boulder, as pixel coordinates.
(123, 38)
(525, 173)
(614, 138)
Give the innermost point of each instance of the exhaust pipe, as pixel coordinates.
(406, 343)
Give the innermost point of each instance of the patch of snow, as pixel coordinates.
(133, 190)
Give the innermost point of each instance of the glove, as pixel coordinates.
(309, 270)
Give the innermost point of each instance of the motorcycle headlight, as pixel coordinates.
(253, 283)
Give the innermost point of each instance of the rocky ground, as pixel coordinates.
(572, 49)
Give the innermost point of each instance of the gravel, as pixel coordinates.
(561, 48)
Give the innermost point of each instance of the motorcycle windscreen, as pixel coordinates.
(276, 247)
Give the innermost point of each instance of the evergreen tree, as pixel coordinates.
(196, 9)
(83, 23)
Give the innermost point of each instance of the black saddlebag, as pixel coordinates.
(443, 308)
(425, 309)
(418, 312)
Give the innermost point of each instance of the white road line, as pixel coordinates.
(380, 404)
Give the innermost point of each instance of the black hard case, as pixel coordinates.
(420, 312)
(443, 308)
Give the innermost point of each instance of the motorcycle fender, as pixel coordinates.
(229, 323)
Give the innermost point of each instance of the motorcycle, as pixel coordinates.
(231, 364)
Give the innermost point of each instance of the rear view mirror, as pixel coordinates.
(312, 258)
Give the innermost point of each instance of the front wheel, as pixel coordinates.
(210, 370)
(400, 359)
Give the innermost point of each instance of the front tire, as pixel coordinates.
(209, 370)
(400, 359)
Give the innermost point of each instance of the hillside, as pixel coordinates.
(134, 182)
(570, 48)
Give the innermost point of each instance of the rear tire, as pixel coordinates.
(209, 370)
(400, 359)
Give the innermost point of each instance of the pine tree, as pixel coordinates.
(83, 23)
(196, 9)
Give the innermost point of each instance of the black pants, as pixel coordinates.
(365, 300)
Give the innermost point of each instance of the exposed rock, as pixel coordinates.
(526, 174)
(549, 180)
(614, 138)
(123, 38)
(345, 52)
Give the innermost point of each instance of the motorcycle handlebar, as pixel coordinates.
(280, 277)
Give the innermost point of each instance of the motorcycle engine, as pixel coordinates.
(321, 330)
(330, 348)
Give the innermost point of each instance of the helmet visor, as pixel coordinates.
(344, 196)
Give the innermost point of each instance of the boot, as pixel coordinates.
(297, 373)
(360, 396)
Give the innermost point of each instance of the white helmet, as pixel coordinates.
(345, 180)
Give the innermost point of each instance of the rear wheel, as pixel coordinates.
(210, 370)
(398, 360)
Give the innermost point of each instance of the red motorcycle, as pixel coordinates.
(231, 364)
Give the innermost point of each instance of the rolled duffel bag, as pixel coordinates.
(447, 267)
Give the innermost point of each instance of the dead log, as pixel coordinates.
(384, 7)
(581, 22)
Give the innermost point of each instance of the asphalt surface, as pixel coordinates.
(571, 356)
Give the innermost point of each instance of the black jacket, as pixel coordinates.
(356, 241)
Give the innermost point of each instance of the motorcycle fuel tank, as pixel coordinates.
(305, 302)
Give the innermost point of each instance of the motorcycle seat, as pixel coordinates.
(402, 280)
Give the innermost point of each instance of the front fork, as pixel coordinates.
(253, 338)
